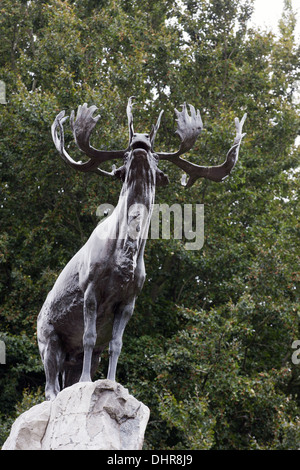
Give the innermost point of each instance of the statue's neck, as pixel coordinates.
(135, 205)
(133, 212)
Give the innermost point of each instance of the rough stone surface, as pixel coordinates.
(99, 415)
(29, 428)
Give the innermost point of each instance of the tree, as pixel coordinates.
(208, 350)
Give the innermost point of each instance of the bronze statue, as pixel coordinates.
(94, 296)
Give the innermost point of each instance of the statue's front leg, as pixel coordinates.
(121, 319)
(90, 333)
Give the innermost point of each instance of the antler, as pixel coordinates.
(155, 129)
(82, 128)
(130, 122)
(130, 117)
(188, 129)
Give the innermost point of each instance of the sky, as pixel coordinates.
(268, 12)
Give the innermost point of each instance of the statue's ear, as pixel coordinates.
(161, 178)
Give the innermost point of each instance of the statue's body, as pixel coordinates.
(94, 296)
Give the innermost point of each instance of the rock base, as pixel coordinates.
(99, 415)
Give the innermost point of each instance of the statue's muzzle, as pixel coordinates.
(140, 152)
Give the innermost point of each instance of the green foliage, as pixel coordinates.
(209, 346)
(208, 360)
(191, 418)
(28, 400)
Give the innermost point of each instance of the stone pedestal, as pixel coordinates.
(97, 415)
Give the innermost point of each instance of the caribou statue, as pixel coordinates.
(93, 298)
